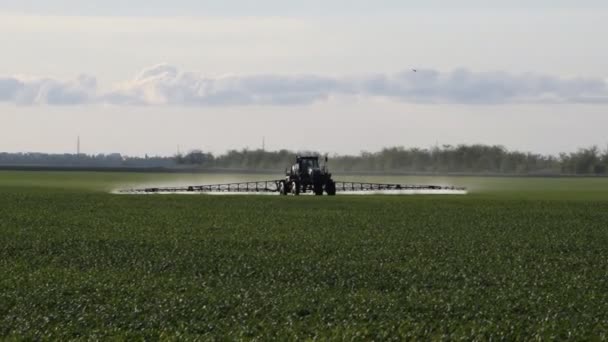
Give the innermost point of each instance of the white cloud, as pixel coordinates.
(166, 85)
(273, 7)
(46, 91)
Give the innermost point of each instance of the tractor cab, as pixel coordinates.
(304, 166)
(308, 163)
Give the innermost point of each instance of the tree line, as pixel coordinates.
(440, 159)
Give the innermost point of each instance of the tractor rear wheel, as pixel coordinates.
(330, 188)
(295, 188)
(318, 189)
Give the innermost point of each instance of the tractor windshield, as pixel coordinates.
(310, 163)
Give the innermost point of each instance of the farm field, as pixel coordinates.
(517, 258)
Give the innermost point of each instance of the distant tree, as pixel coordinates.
(584, 161)
(446, 158)
(197, 157)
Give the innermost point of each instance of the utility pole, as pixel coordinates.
(78, 146)
(263, 144)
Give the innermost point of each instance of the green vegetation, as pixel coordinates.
(518, 258)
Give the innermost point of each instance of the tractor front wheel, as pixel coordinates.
(282, 188)
(295, 188)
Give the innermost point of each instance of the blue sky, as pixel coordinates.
(527, 76)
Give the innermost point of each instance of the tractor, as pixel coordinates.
(307, 175)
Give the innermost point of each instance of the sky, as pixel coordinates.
(146, 77)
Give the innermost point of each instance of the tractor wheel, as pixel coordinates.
(330, 188)
(282, 188)
(295, 188)
(318, 189)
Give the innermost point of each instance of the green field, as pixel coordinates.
(517, 258)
